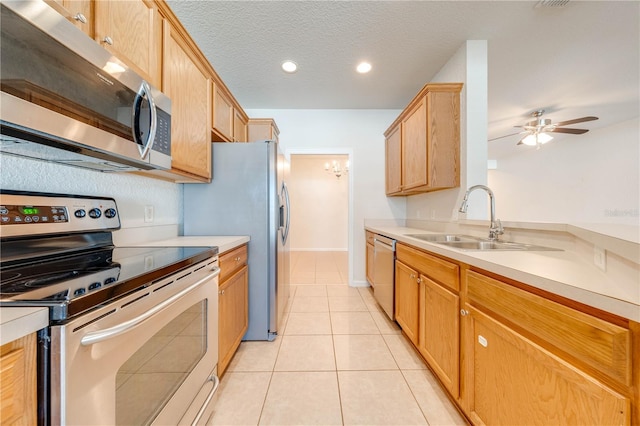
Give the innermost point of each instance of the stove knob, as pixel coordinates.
(80, 213)
(110, 213)
(95, 213)
(80, 291)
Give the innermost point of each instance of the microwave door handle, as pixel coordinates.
(144, 146)
(108, 333)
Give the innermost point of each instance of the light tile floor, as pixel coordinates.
(339, 360)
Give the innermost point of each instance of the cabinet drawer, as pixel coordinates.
(444, 272)
(231, 261)
(370, 237)
(592, 341)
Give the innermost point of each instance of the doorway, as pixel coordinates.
(319, 191)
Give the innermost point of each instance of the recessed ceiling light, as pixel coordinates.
(363, 67)
(289, 66)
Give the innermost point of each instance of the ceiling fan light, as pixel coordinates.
(534, 139)
(544, 138)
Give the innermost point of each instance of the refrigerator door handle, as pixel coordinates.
(285, 232)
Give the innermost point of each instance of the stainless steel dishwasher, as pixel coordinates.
(384, 273)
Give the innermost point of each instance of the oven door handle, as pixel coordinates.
(108, 333)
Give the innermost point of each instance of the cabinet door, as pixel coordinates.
(188, 87)
(440, 332)
(393, 162)
(511, 380)
(370, 265)
(80, 13)
(130, 30)
(407, 294)
(233, 315)
(18, 388)
(414, 147)
(261, 129)
(239, 127)
(222, 115)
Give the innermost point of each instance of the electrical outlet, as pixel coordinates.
(148, 214)
(600, 257)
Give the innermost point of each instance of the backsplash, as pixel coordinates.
(131, 192)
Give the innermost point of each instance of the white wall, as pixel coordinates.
(591, 178)
(319, 204)
(360, 134)
(131, 192)
(469, 66)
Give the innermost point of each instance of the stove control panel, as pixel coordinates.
(24, 214)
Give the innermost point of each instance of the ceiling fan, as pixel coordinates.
(536, 131)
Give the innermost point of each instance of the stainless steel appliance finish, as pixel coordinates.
(133, 332)
(66, 99)
(384, 273)
(248, 196)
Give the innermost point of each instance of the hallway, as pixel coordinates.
(339, 361)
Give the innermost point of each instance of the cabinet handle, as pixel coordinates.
(412, 276)
(464, 312)
(237, 259)
(80, 18)
(108, 40)
(221, 292)
(418, 280)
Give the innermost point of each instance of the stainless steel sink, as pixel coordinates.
(442, 238)
(467, 242)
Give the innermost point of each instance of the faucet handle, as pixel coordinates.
(500, 229)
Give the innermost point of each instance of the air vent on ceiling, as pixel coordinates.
(552, 3)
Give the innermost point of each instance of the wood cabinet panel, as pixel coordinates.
(261, 129)
(439, 340)
(222, 124)
(393, 162)
(592, 341)
(188, 86)
(231, 261)
(511, 379)
(18, 387)
(79, 12)
(133, 28)
(239, 127)
(444, 272)
(414, 147)
(370, 263)
(233, 314)
(407, 300)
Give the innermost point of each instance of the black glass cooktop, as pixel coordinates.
(100, 275)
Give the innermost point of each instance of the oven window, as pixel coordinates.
(152, 375)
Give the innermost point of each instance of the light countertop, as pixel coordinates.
(224, 243)
(18, 322)
(560, 272)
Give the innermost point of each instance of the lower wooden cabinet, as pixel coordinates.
(407, 305)
(18, 387)
(509, 354)
(439, 337)
(510, 379)
(233, 304)
(370, 257)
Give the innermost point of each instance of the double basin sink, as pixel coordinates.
(467, 242)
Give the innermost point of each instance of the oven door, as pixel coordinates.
(143, 359)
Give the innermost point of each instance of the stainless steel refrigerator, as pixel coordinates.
(248, 196)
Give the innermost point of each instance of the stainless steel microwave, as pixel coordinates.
(66, 99)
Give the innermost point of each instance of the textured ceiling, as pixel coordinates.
(581, 59)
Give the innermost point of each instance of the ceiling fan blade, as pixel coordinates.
(520, 141)
(571, 131)
(576, 120)
(506, 136)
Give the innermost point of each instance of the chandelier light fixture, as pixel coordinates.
(336, 168)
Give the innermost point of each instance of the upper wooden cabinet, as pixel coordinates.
(423, 143)
(187, 84)
(131, 30)
(263, 129)
(229, 121)
(79, 12)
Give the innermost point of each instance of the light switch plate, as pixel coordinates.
(148, 214)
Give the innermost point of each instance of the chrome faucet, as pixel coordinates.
(496, 227)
